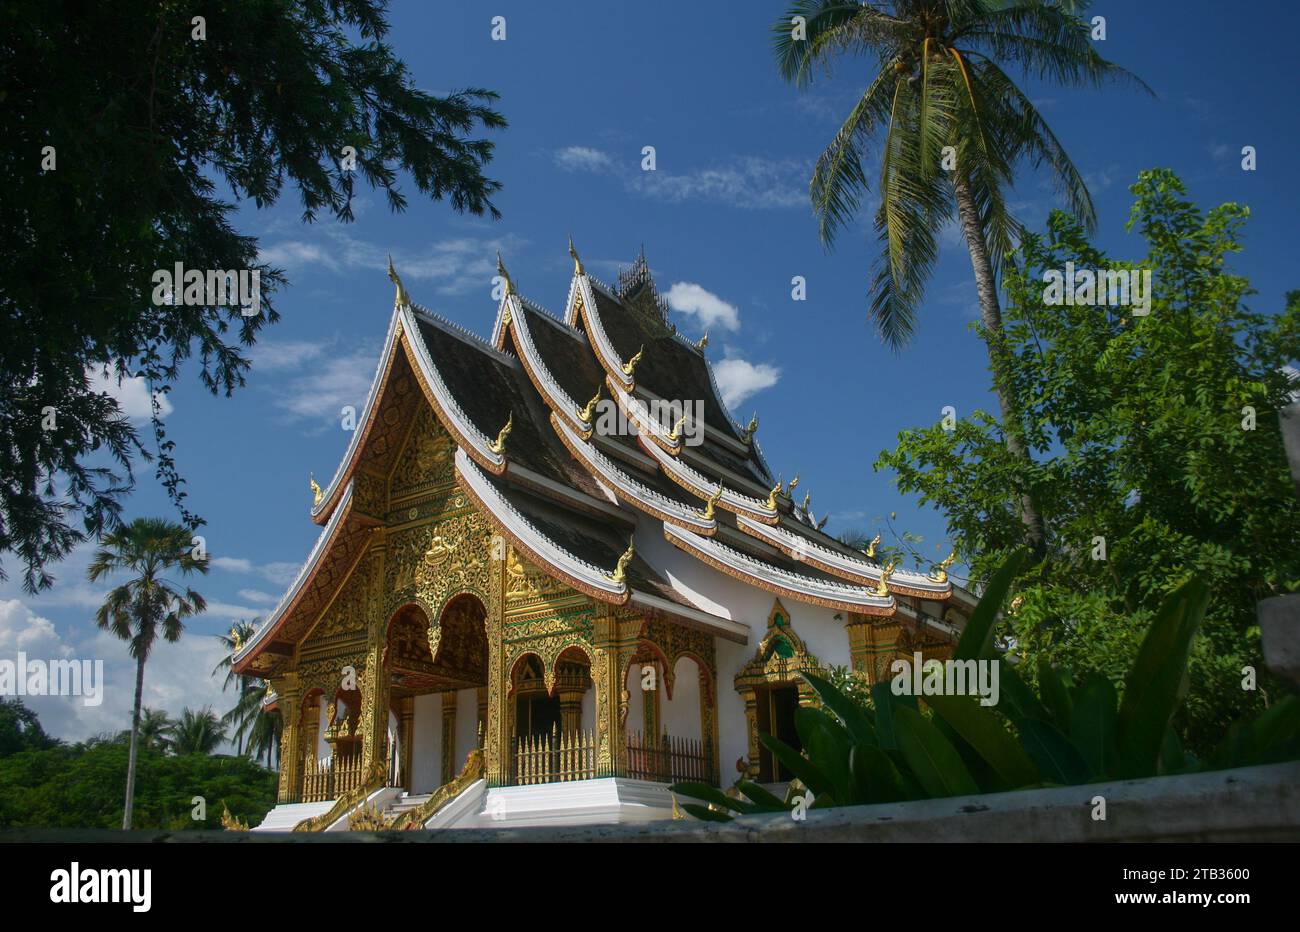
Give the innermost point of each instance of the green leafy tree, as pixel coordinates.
(952, 128)
(20, 729)
(240, 633)
(147, 604)
(198, 732)
(1157, 451)
(128, 133)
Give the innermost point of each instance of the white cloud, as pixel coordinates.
(738, 378)
(257, 596)
(288, 354)
(748, 182)
(320, 393)
(282, 573)
(131, 395)
(705, 306)
(22, 629)
(233, 564)
(582, 158)
(293, 253)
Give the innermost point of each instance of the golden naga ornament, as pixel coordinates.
(886, 571)
(585, 414)
(498, 446)
(402, 299)
(941, 571)
(236, 642)
(871, 547)
(747, 435)
(505, 278)
(317, 494)
(793, 482)
(676, 433)
(707, 513)
(620, 570)
(704, 342)
(630, 366)
(577, 263)
(771, 496)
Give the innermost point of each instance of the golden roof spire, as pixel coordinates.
(577, 262)
(584, 414)
(498, 446)
(676, 433)
(704, 341)
(886, 571)
(620, 570)
(771, 496)
(505, 277)
(630, 366)
(315, 490)
(747, 435)
(793, 482)
(871, 547)
(402, 299)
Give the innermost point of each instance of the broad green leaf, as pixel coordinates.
(762, 798)
(876, 779)
(711, 794)
(986, 734)
(932, 758)
(976, 641)
(705, 814)
(1153, 685)
(1056, 695)
(807, 772)
(1017, 701)
(883, 698)
(1057, 759)
(826, 743)
(852, 715)
(1092, 725)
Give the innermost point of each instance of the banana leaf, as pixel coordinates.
(932, 758)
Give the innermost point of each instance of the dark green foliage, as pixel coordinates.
(157, 134)
(1136, 429)
(80, 786)
(892, 752)
(20, 729)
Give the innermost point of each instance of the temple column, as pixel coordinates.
(871, 646)
(614, 643)
(406, 731)
(286, 689)
(374, 681)
(448, 736)
(751, 726)
(481, 732)
(571, 708)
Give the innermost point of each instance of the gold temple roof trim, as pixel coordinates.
(782, 582)
(699, 484)
(557, 399)
(628, 488)
(724, 628)
(803, 547)
(274, 620)
(586, 577)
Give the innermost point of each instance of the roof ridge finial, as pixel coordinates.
(317, 495)
(498, 446)
(711, 501)
(402, 299)
(584, 414)
(872, 545)
(630, 366)
(747, 435)
(505, 277)
(941, 570)
(577, 262)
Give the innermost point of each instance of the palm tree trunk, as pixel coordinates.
(991, 315)
(135, 742)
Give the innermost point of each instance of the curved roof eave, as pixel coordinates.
(837, 595)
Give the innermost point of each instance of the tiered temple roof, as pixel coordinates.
(520, 409)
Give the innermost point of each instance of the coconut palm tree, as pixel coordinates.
(241, 632)
(197, 732)
(155, 727)
(952, 127)
(137, 609)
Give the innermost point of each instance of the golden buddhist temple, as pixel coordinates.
(555, 576)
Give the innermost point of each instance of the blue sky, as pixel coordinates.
(585, 86)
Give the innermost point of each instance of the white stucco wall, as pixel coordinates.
(426, 746)
(727, 597)
(466, 727)
(680, 715)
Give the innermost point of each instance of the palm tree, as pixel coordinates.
(155, 727)
(953, 126)
(197, 732)
(241, 632)
(146, 549)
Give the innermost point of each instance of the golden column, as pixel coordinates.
(374, 681)
(613, 644)
(286, 690)
(406, 731)
(871, 645)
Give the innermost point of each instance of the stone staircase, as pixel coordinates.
(404, 804)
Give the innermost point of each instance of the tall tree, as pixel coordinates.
(952, 127)
(128, 133)
(198, 732)
(155, 729)
(147, 602)
(241, 632)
